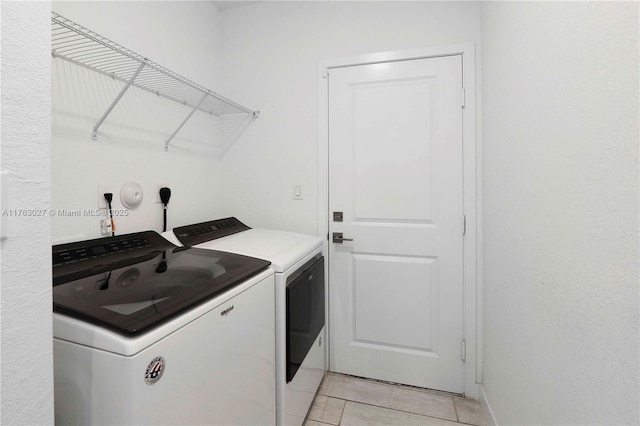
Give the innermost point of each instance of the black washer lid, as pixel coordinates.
(132, 283)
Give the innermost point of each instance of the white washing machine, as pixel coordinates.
(149, 333)
(299, 301)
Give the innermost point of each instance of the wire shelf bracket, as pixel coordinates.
(166, 144)
(94, 133)
(76, 44)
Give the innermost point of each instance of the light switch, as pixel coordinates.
(297, 192)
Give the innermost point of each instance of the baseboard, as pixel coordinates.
(488, 419)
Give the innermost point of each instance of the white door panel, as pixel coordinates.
(381, 170)
(395, 171)
(407, 302)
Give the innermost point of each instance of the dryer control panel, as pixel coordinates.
(198, 233)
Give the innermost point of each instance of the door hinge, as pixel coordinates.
(462, 98)
(325, 73)
(464, 224)
(464, 350)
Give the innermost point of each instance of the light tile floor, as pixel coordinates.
(345, 400)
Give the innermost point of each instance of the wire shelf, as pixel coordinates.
(74, 43)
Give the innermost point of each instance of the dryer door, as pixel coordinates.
(305, 312)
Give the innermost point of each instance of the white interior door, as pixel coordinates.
(395, 173)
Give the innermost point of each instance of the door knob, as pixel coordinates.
(338, 238)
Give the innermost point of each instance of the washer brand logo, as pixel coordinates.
(154, 371)
(226, 311)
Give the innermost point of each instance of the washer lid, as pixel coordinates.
(283, 249)
(134, 282)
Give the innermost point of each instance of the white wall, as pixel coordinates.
(560, 103)
(26, 352)
(181, 36)
(271, 56)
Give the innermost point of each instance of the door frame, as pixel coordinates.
(471, 188)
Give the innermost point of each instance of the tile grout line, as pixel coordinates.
(450, 395)
(455, 410)
(403, 386)
(386, 408)
(402, 411)
(458, 416)
(322, 423)
(342, 411)
(327, 396)
(392, 409)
